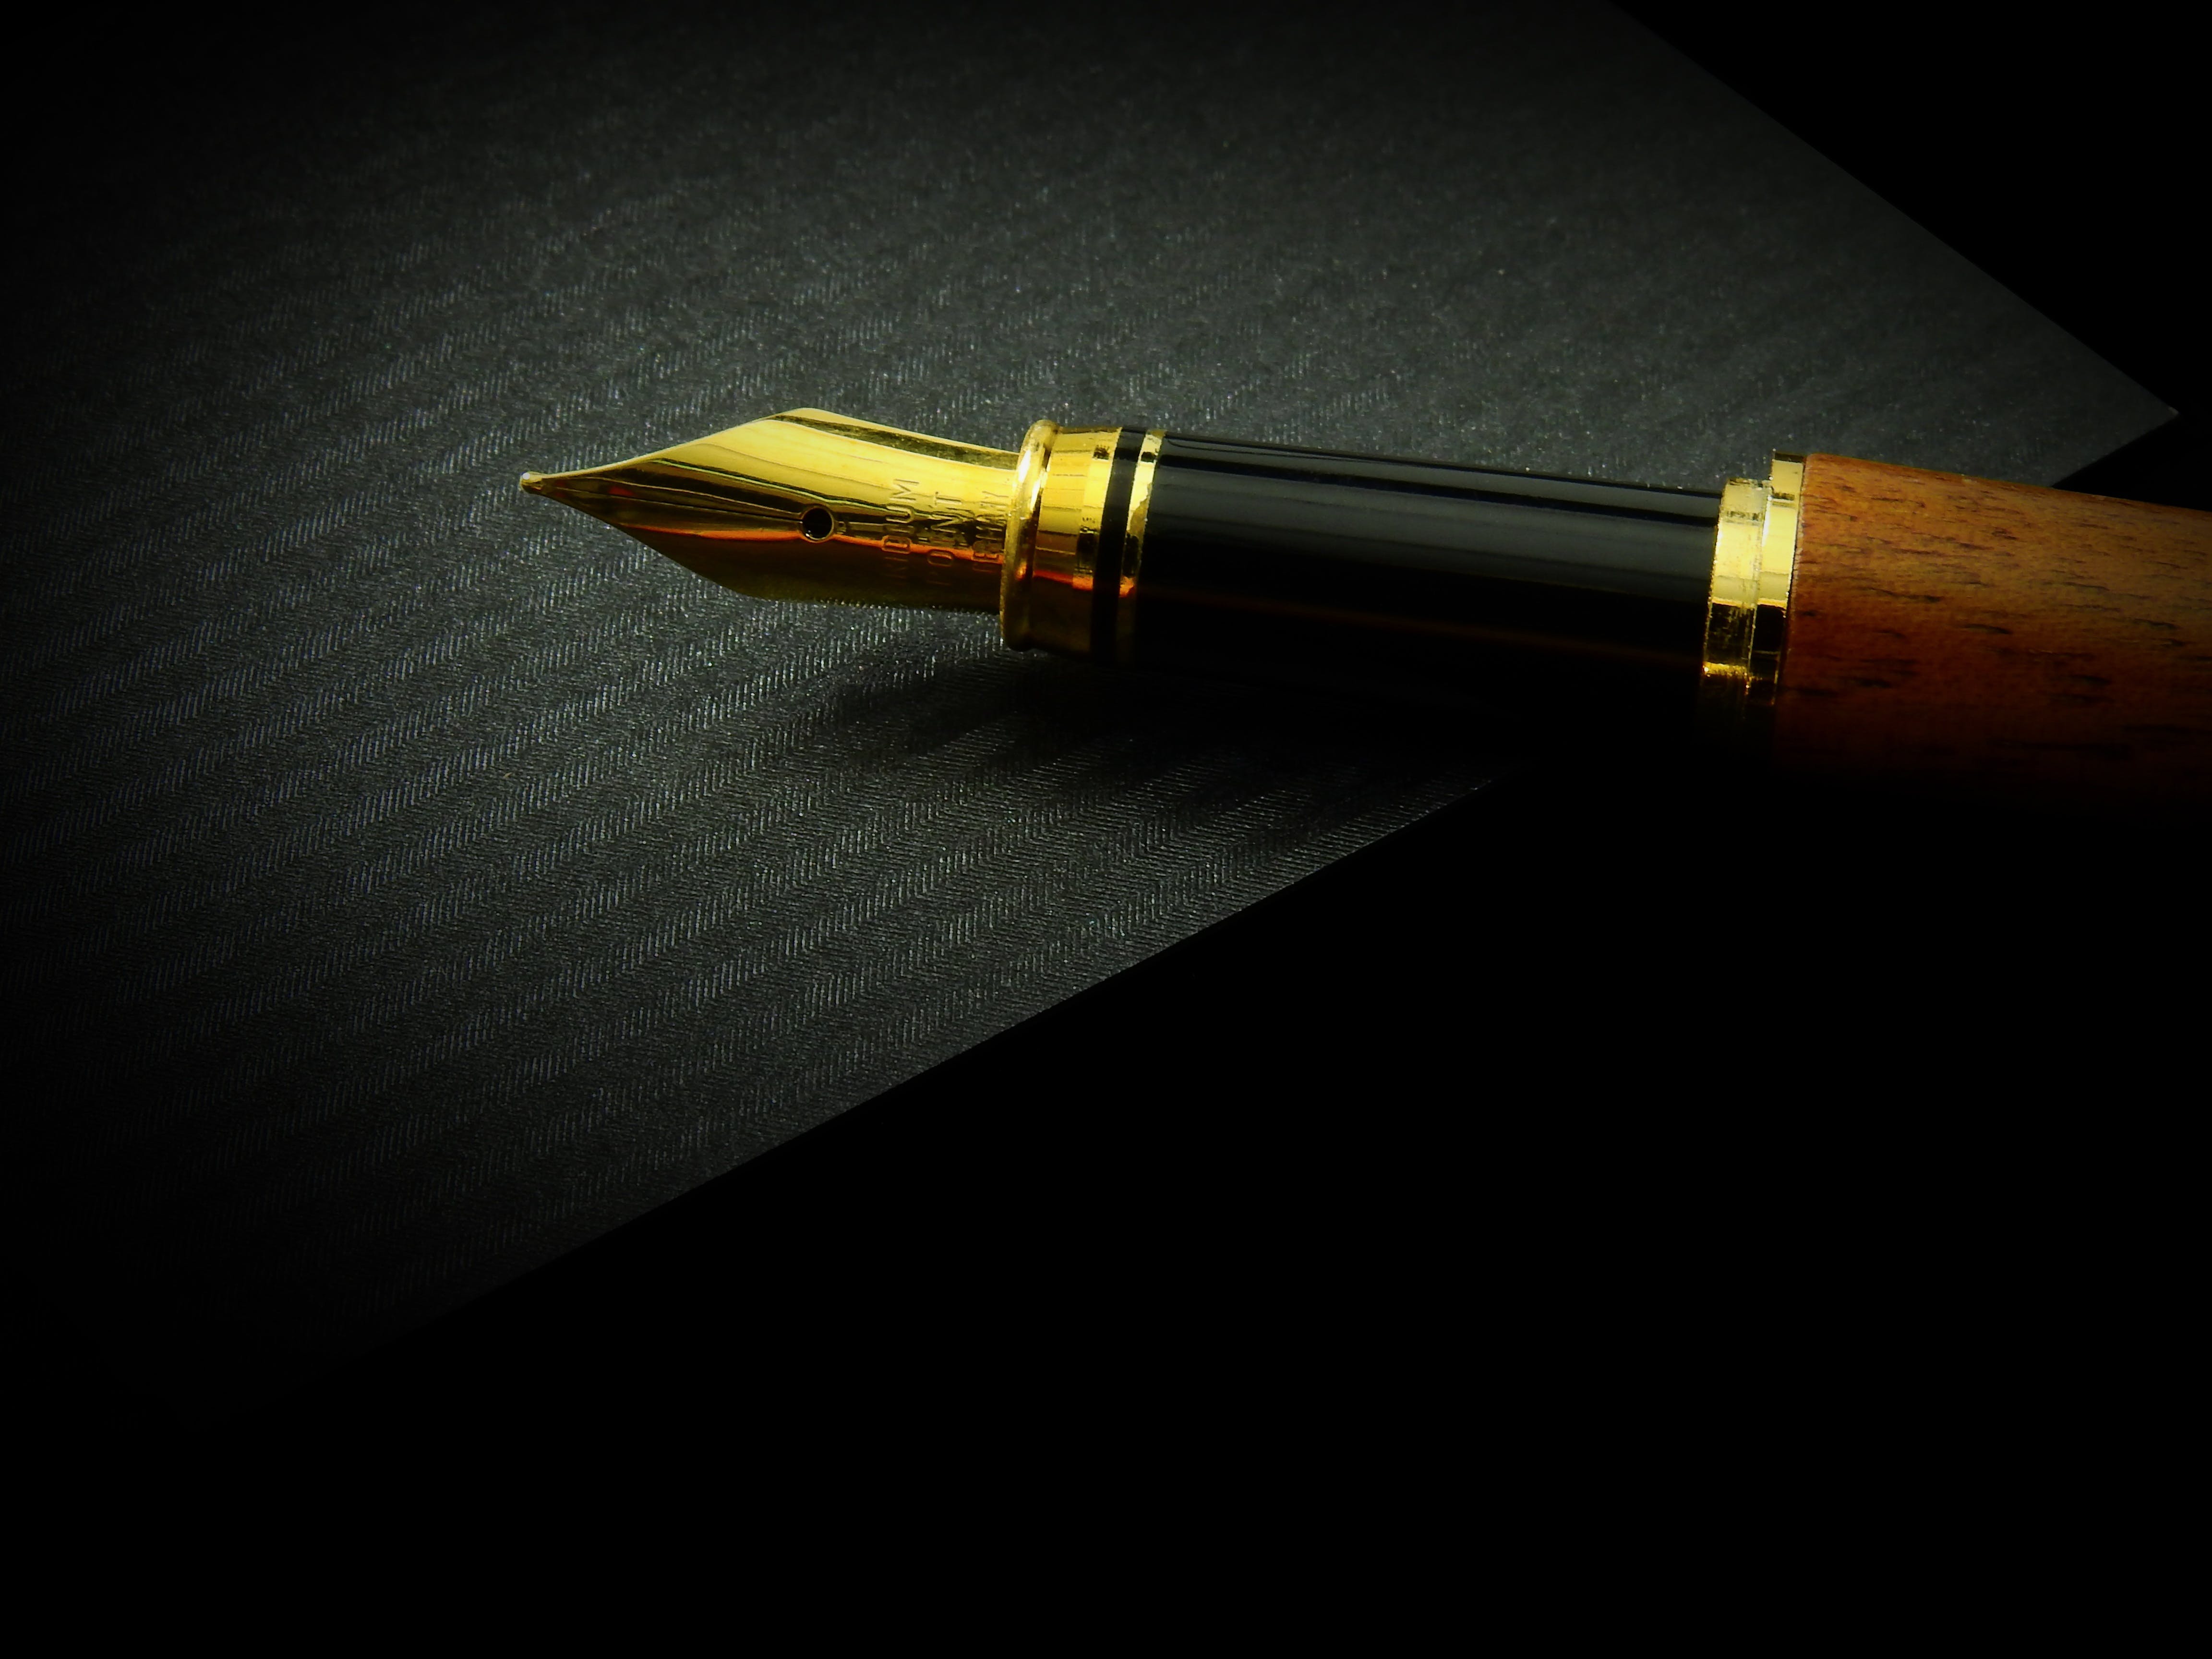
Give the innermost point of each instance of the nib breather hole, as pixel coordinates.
(816, 524)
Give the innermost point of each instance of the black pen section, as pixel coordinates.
(1556, 599)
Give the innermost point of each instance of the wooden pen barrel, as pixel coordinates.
(1997, 638)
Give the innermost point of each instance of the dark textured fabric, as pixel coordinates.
(413, 879)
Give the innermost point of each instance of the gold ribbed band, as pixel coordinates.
(1748, 607)
(1074, 538)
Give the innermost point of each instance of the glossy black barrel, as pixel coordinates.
(1548, 597)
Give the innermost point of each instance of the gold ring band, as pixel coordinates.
(1133, 546)
(1068, 574)
(1748, 607)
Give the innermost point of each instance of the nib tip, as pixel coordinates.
(531, 480)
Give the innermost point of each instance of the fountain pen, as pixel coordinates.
(1846, 618)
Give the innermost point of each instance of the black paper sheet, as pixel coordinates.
(410, 879)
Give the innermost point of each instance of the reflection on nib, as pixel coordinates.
(808, 505)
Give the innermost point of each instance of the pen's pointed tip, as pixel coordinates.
(587, 490)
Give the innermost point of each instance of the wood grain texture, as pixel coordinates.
(1996, 639)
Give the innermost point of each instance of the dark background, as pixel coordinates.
(1584, 1127)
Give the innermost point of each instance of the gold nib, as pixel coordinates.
(808, 505)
